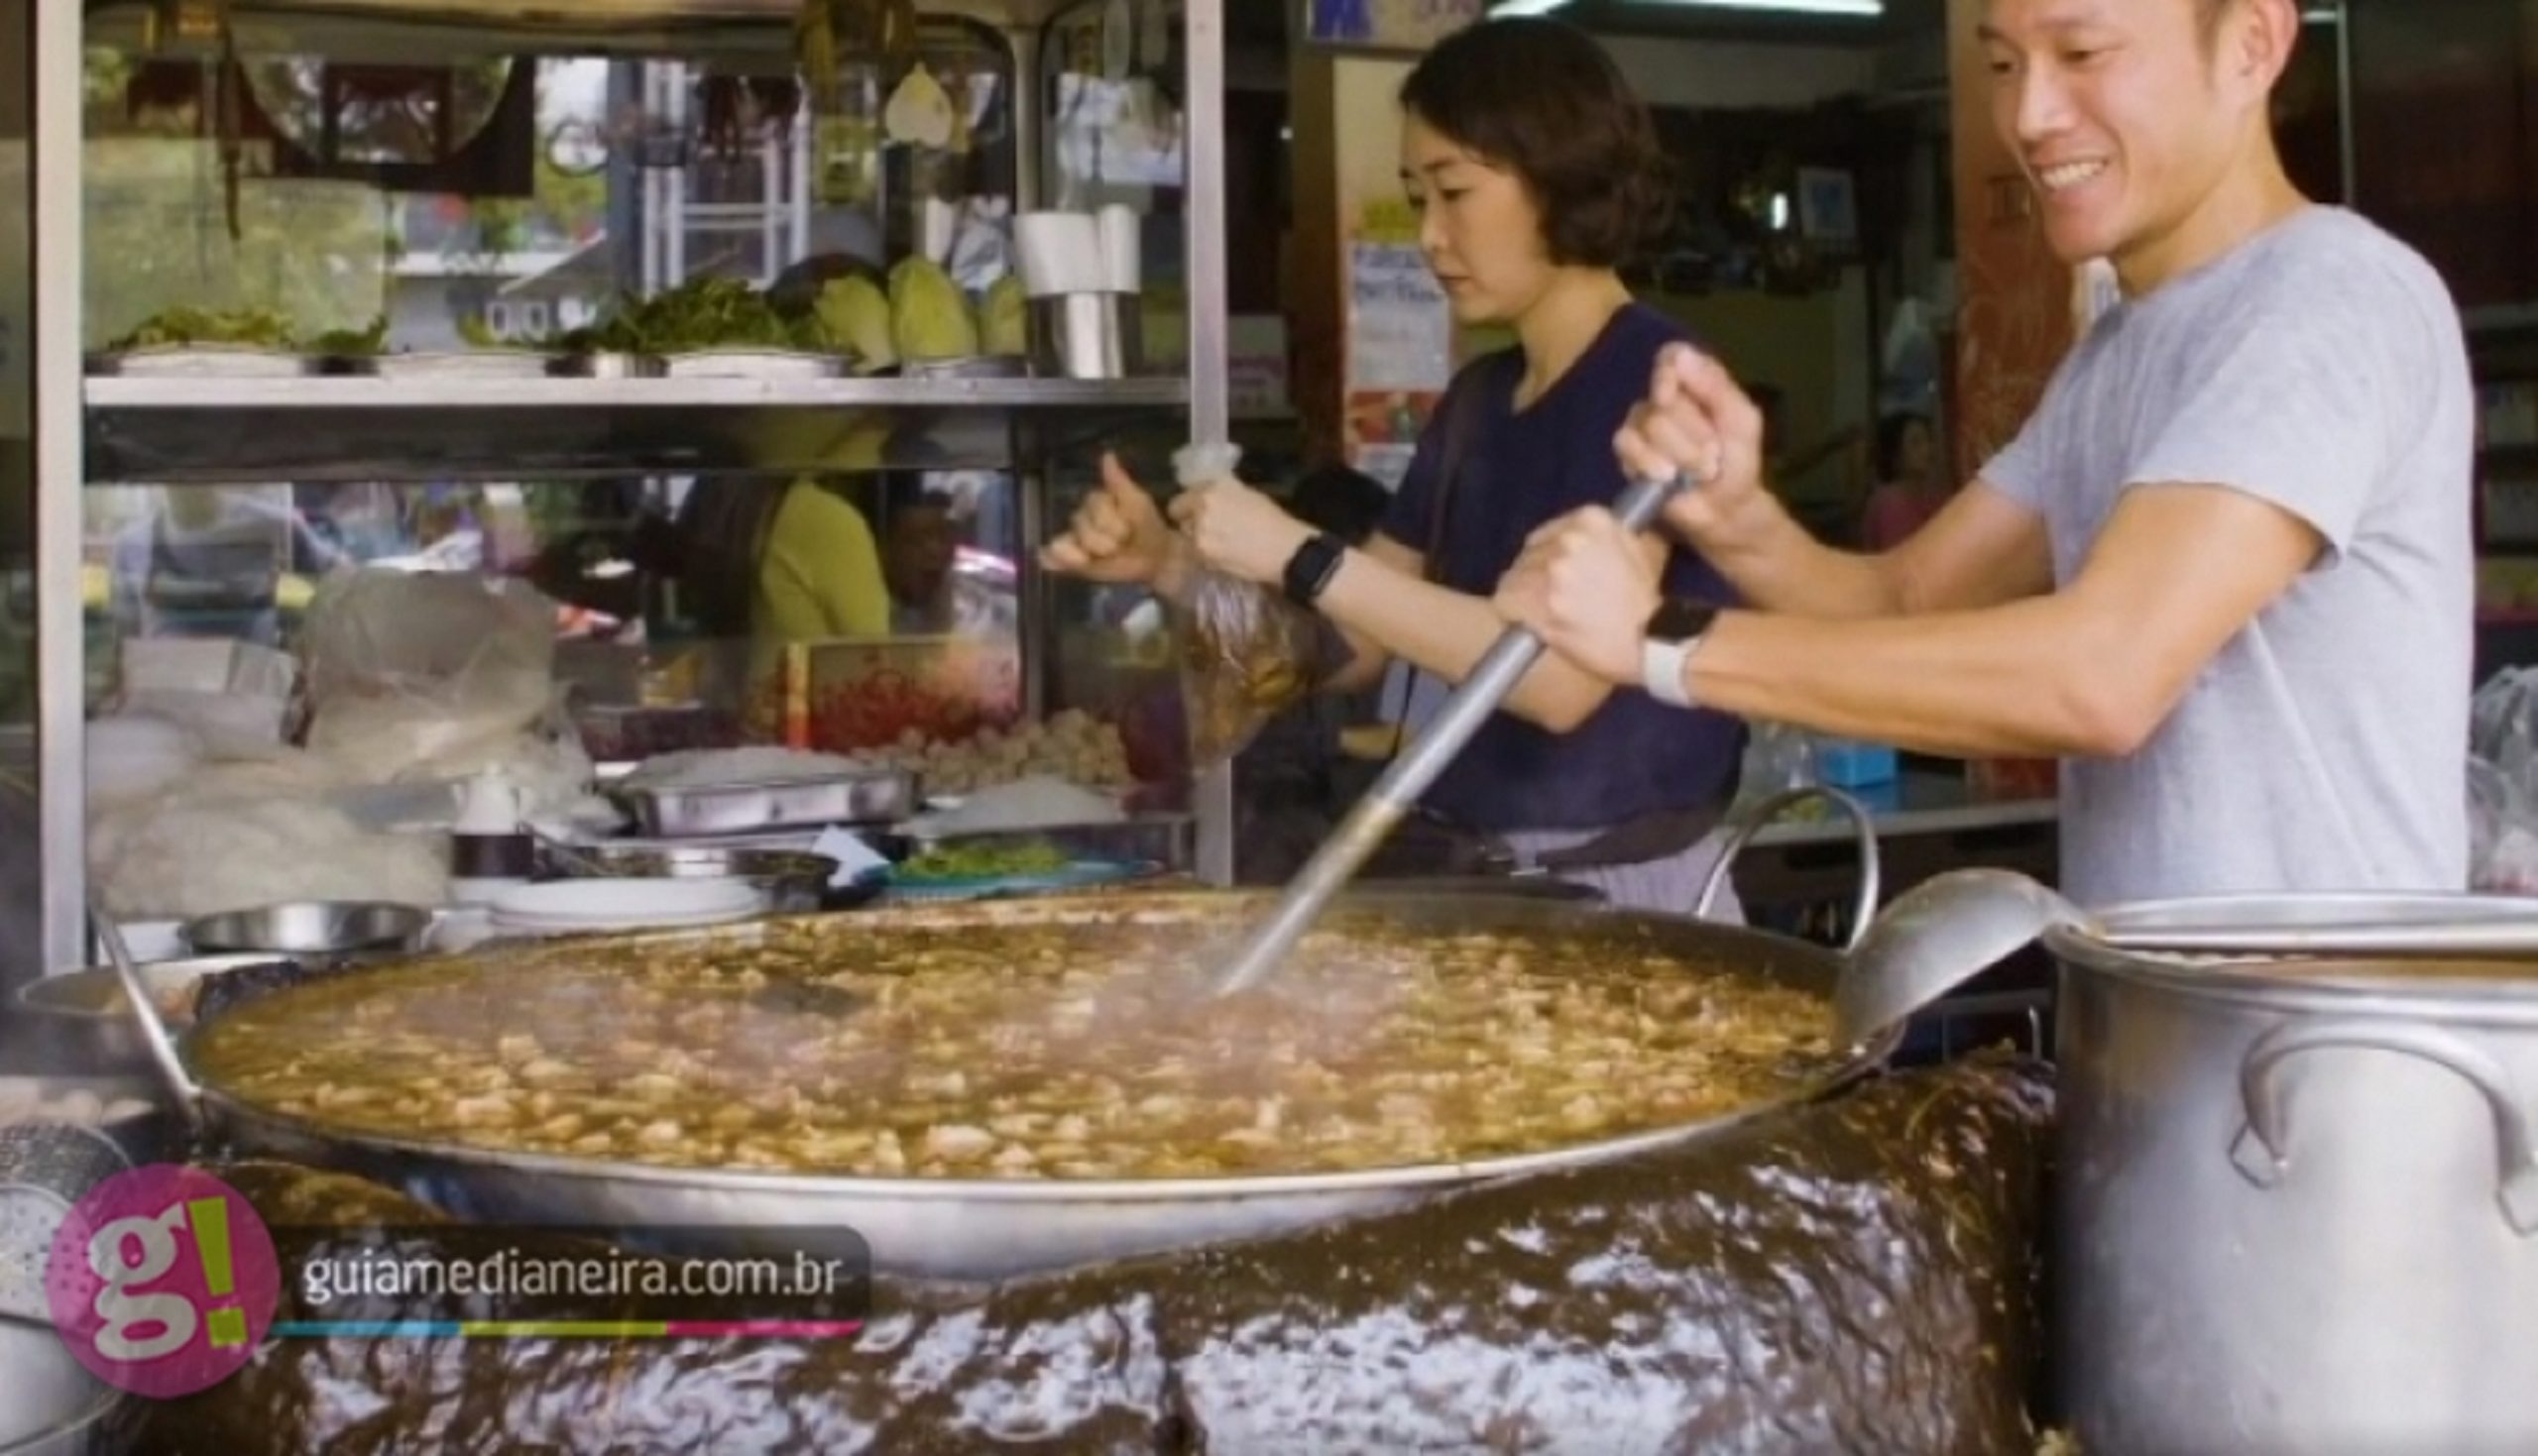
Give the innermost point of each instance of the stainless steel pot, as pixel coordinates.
(2299, 1209)
(49, 1404)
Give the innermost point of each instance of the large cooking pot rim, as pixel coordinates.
(1777, 957)
(1036, 1190)
(2500, 991)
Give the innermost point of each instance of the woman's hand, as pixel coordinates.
(1239, 532)
(1587, 587)
(1118, 534)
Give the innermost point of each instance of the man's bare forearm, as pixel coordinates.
(1777, 567)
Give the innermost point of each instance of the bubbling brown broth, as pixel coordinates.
(1071, 1050)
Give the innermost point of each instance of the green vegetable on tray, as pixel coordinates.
(854, 316)
(247, 328)
(920, 314)
(986, 861)
(702, 314)
(929, 314)
(1005, 317)
(362, 343)
(179, 327)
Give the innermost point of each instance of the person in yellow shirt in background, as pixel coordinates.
(819, 574)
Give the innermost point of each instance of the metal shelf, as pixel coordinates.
(358, 428)
(2500, 319)
(2515, 456)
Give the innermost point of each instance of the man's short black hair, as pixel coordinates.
(903, 491)
(1543, 101)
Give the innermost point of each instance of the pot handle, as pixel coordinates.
(2258, 1153)
(1761, 817)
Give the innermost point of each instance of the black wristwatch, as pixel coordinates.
(1310, 570)
(1679, 619)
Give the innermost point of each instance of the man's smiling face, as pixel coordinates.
(2121, 112)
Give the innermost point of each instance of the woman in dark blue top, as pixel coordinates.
(1536, 172)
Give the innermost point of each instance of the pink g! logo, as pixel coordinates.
(163, 1280)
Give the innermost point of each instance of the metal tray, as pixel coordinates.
(879, 796)
(977, 367)
(752, 363)
(609, 366)
(207, 362)
(480, 364)
(1167, 839)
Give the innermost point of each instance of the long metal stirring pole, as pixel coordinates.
(1377, 815)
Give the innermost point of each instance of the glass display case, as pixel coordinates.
(708, 319)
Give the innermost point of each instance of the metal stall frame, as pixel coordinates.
(72, 409)
(61, 480)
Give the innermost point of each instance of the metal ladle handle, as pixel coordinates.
(1762, 814)
(154, 1027)
(1381, 811)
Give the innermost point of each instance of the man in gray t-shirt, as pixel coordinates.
(2322, 747)
(2225, 572)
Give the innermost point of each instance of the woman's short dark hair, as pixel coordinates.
(1543, 101)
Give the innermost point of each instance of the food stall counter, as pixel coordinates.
(1919, 800)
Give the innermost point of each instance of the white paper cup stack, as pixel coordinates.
(1122, 262)
(1060, 253)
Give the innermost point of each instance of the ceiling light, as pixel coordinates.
(1867, 8)
(1796, 7)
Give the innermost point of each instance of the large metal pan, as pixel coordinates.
(987, 1229)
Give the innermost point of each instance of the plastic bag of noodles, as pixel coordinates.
(1246, 653)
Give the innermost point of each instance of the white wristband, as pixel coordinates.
(1661, 670)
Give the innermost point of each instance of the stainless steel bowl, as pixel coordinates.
(312, 928)
(794, 882)
(84, 1019)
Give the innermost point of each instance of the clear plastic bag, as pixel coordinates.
(1246, 653)
(1778, 758)
(2503, 784)
(416, 675)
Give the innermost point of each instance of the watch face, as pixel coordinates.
(1679, 621)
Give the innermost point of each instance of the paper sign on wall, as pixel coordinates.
(1401, 354)
(1400, 328)
(1256, 366)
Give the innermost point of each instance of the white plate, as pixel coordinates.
(569, 922)
(624, 903)
(100, 1103)
(500, 929)
(209, 361)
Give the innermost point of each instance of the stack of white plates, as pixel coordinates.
(591, 906)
